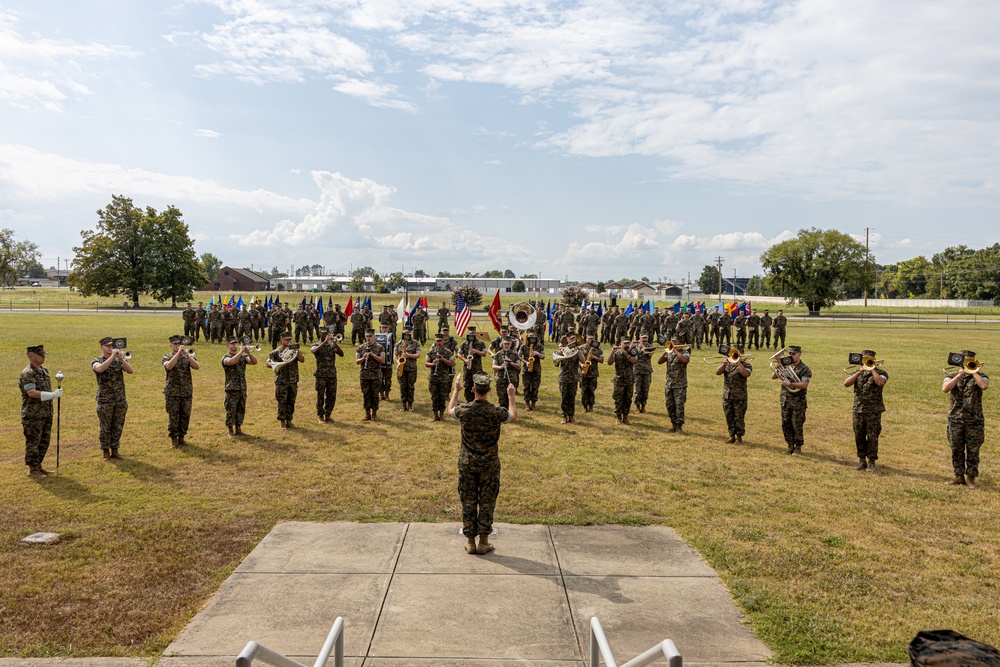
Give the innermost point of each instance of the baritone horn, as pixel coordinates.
(522, 315)
(781, 366)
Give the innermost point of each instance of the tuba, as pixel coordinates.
(781, 365)
(522, 315)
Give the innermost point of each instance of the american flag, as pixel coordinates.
(462, 315)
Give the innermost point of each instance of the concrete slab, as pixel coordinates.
(626, 550)
(437, 662)
(438, 548)
(291, 614)
(75, 662)
(229, 661)
(496, 616)
(327, 547)
(638, 612)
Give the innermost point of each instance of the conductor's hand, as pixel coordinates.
(511, 390)
(458, 382)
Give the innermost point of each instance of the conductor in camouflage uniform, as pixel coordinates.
(676, 384)
(234, 365)
(441, 361)
(734, 396)
(471, 354)
(479, 459)
(178, 390)
(533, 348)
(286, 380)
(592, 373)
(623, 360)
(326, 352)
(111, 404)
(866, 413)
(793, 403)
(419, 322)
(753, 329)
(36, 410)
(369, 356)
(407, 352)
(966, 425)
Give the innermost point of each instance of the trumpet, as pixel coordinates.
(781, 366)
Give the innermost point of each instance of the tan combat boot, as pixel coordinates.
(862, 464)
(484, 545)
(470, 546)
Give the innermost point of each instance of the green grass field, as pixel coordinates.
(830, 565)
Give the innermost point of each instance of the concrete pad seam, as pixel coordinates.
(562, 580)
(385, 596)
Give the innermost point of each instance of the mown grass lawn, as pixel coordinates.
(829, 564)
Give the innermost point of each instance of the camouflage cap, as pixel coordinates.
(445, 327)
(174, 340)
(107, 340)
(368, 332)
(793, 349)
(286, 335)
(438, 336)
(470, 330)
(37, 349)
(232, 339)
(867, 353)
(481, 381)
(507, 339)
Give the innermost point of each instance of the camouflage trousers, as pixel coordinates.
(965, 439)
(723, 332)
(568, 392)
(37, 433)
(532, 381)
(189, 329)
(741, 337)
(178, 415)
(735, 410)
(302, 332)
(326, 395)
(503, 400)
(622, 395)
(215, 331)
(642, 389)
(387, 373)
(370, 392)
(236, 407)
(478, 488)
(112, 419)
(285, 395)
(201, 330)
(793, 420)
(753, 338)
(439, 386)
(699, 336)
(420, 333)
(357, 335)
(765, 335)
(675, 398)
(867, 428)
(588, 388)
(407, 386)
(243, 330)
(779, 339)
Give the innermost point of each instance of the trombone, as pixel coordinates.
(866, 363)
(670, 347)
(781, 366)
(730, 355)
(968, 365)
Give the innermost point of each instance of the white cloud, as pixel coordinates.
(211, 134)
(375, 94)
(41, 73)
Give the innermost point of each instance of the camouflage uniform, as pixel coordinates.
(326, 377)
(780, 322)
(201, 323)
(387, 366)
(504, 376)
(715, 327)
(590, 322)
(642, 371)
(111, 404)
(286, 385)
(533, 379)
(443, 312)
(966, 424)
(866, 414)
(215, 325)
(440, 377)
(793, 410)
(479, 463)
(301, 321)
(228, 325)
(624, 378)
(725, 328)
(698, 327)
(408, 381)
(357, 327)
(244, 322)
(589, 381)
(178, 391)
(277, 322)
(36, 414)
(370, 375)
(765, 329)
(741, 329)
(753, 330)
(685, 330)
(474, 366)
(569, 379)
(734, 399)
(236, 389)
(419, 322)
(190, 321)
(675, 387)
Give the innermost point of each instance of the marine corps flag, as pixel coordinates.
(494, 311)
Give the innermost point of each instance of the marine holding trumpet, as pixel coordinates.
(178, 390)
(794, 376)
(284, 361)
(407, 352)
(234, 365)
(966, 424)
(735, 368)
(111, 403)
(677, 356)
(369, 356)
(866, 412)
(326, 352)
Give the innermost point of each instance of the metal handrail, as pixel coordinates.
(334, 642)
(600, 650)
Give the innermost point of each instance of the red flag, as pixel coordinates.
(350, 307)
(494, 312)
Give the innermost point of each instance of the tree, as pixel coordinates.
(378, 285)
(275, 273)
(508, 274)
(518, 286)
(495, 273)
(32, 269)
(175, 271)
(357, 283)
(708, 283)
(470, 293)
(756, 286)
(420, 273)
(975, 275)
(816, 267)
(15, 257)
(211, 265)
(573, 295)
(910, 278)
(365, 271)
(135, 251)
(600, 287)
(396, 280)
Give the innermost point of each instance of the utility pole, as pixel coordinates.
(718, 263)
(734, 284)
(866, 266)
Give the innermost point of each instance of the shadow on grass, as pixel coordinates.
(145, 472)
(269, 445)
(67, 488)
(212, 455)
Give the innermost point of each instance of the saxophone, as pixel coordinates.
(400, 360)
(586, 364)
(531, 358)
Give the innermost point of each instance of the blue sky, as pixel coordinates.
(591, 139)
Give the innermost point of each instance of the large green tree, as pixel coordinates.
(134, 252)
(16, 257)
(816, 267)
(211, 265)
(708, 282)
(975, 274)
